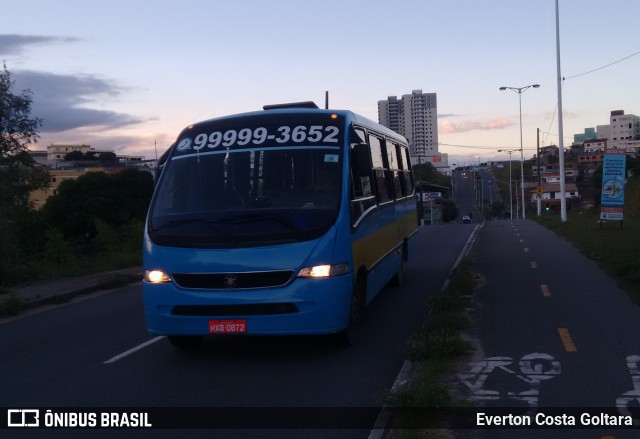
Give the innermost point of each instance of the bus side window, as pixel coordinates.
(360, 166)
(362, 197)
(394, 166)
(402, 166)
(407, 174)
(378, 159)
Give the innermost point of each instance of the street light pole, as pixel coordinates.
(521, 90)
(510, 194)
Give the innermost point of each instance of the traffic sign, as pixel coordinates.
(539, 190)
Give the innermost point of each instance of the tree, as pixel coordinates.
(74, 156)
(18, 173)
(115, 199)
(428, 173)
(449, 210)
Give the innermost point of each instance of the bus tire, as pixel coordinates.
(398, 278)
(185, 341)
(348, 336)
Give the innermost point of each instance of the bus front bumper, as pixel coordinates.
(306, 306)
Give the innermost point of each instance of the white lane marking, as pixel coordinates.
(132, 350)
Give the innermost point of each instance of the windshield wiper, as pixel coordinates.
(258, 217)
(181, 222)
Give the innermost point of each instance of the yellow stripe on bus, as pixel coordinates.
(368, 250)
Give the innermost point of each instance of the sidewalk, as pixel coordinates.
(63, 290)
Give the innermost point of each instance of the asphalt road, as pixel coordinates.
(97, 353)
(555, 332)
(466, 198)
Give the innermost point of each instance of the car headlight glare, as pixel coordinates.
(325, 270)
(156, 276)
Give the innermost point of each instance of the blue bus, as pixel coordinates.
(284, 221)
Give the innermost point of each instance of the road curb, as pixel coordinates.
(103, 282)
(381, 428)
(465, 251)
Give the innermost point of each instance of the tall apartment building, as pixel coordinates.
(415, 116)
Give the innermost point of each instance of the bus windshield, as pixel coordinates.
(250, 181)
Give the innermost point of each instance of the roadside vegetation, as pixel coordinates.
(93, 223)
(614, 246)
(435, 350)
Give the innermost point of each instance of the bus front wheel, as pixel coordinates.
(348, 335)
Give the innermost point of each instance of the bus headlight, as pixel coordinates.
(320, 271)
(156, 276)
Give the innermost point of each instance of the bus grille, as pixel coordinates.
(227, 281)
(259, 309)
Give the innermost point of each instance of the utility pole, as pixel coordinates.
(539, 196)
(563, 193)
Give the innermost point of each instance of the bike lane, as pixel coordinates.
(555, 332)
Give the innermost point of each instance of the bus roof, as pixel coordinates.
(294, 109)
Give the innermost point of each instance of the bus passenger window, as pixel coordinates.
(394, 165)
(360, 166)
(362, 196)
(406, 171)
(383, 189)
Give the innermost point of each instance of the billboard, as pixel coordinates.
(613, 174)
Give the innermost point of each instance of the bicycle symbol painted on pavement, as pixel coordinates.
(624, 401)
(532, 369)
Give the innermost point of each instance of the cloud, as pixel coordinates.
(448, 127)
(60, 100)
(13, 44)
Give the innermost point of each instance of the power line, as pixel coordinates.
(576, 76)
(468, 146)
(555, 111)
(600, 68)
(482, 147)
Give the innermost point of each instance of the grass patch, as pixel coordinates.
(614, 248)
(10, 305)
(115, 281)
(435, 349)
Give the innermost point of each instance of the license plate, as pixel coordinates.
(227, 326)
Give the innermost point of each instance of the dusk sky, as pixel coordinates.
(122, 75)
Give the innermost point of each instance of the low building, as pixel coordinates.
(549, 151)
(56, 153)
(39, 198)
(550, 172)
(595, 146)
(551, 192)
(588, 163)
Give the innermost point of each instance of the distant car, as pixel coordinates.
(466, 219)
